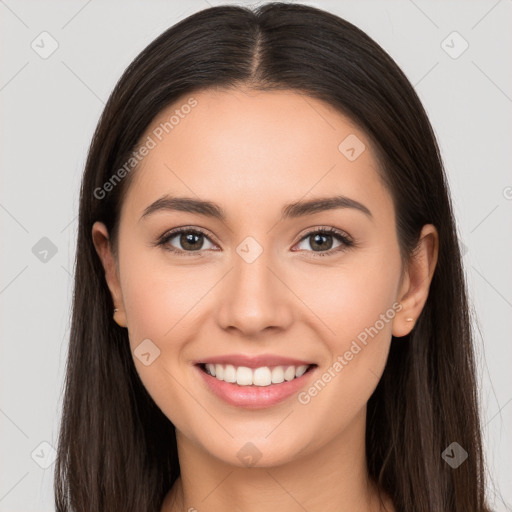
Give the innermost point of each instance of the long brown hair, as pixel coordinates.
(117, 450)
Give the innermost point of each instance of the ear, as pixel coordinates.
(102, 245)
(414, 290)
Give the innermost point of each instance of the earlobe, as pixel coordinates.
(414, 291)
(102, 245)
(119, 321)
(402, 323)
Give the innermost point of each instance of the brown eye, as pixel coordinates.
(319, 241)
(322, 240)
(185, 240)
(191, 241)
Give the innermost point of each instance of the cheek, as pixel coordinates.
(160, 298)
(354, 306)
(159, 302)
(351, 297)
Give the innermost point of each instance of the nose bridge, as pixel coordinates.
(253, 298)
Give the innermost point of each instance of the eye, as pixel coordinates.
(188, 240)
(191, 241)
(321, 241)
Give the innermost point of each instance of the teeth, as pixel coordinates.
(289, 373)
(229, 374)
(277, 375)
(244, 376)
(301, 370)
(263, 376)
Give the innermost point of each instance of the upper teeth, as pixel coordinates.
(263, 376)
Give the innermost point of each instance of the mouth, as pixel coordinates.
(258, 377)
(254, 388)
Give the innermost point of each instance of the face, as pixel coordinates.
(319, 286)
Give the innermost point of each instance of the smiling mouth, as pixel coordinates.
(255, 377)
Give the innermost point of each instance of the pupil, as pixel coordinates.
(320, 237)
(188, 241)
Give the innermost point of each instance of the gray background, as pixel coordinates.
(51, 105)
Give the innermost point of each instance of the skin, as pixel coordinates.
(253, 152)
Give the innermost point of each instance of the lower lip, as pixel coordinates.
(255, 397)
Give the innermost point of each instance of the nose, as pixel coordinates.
(255, 298)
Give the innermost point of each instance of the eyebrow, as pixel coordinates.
(293, 210)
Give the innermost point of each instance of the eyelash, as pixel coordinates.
(346, 242)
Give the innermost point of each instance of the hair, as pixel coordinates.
(117, 450)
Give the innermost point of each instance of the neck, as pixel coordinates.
(330, 478)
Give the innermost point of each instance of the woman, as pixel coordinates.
(270, 310)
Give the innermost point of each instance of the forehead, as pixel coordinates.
(251, 149)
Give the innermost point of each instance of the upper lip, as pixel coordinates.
(254, 361)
